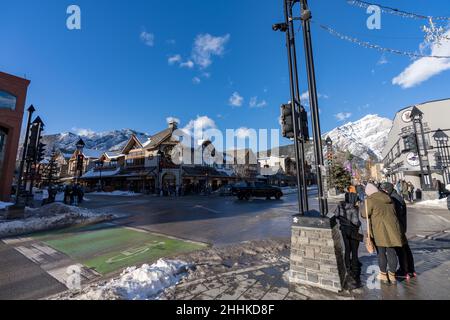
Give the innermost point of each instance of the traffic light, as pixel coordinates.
(304, 124)
(40, 152)
(286, 121)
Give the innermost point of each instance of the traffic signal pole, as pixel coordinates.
(317, 135)
(299, 158)
(300, 136)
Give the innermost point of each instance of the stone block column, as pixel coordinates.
(316, 252)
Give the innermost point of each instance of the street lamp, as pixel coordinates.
(417, 117)
(79, 164)
(100, 164)
(442, 139)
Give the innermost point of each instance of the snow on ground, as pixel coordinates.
(55, 215)
(144, 283)
(4, 205)
(116, 193)
(442, 203)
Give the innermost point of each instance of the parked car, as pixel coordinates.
(247, 190)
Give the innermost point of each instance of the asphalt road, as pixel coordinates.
(226, 220)
(214, 220)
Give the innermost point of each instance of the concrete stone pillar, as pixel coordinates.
(316, 252)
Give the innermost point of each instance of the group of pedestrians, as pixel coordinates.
(73, 194)
(406, 190)
(386, 212)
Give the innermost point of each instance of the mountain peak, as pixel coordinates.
(364, 138)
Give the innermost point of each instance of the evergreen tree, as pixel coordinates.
(51, 174)
(341, 177)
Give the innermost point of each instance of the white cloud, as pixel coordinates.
(236, 100)
(201, 123)
(174, 59)
(172, 119)
(187, 64)
(244, 132)
(304, 97)
(341, 116)
(147, 38)
(425, 68)
(206, 46)
(254, 103)
(196, 80)
(83, 132)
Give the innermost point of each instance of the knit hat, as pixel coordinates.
(371, 189)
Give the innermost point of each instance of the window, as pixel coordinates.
(7, 100)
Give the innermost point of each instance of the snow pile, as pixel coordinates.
(116, 193)
(4, 205)
(447, 187)
(442, 203)
(55, 215)
(288, 190)
(144, 283)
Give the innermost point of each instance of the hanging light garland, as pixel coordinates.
(389, 10)
(378, 47)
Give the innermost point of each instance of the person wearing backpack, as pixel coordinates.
(347, 214)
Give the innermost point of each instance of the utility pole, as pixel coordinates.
(313, 99)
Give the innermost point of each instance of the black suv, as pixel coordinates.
(246, 190)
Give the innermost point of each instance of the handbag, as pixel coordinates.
(370, 246)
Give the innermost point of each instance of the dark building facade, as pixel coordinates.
(13, 92)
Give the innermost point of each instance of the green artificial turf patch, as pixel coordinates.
(107, 248)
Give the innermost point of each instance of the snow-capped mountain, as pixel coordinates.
(364, 138)
(105, 141)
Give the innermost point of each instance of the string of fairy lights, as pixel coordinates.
(434, 35)
(369, 45)
(394, 11)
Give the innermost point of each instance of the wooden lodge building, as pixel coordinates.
(148, 167)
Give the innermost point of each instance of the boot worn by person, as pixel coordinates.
(383, 277)
(392, 278)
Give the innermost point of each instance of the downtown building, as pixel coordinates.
(417, 150)
(13, 92)
(148, 166)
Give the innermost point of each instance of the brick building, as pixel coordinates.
(13, 92)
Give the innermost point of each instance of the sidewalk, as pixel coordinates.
(268, 280)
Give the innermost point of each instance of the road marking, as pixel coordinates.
(13, 241)
(443, 219)
(127, 254)
(205, 208)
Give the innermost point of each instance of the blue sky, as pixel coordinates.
(136, 63)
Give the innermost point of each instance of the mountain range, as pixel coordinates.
(364, 138)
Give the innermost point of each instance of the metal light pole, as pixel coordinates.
(30, 110)
(317, 135)
(288, 28)
(79, 165)
(442, 139)
(417, 117)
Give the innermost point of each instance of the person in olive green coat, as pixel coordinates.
(385, 230)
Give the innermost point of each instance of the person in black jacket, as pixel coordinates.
(348, 216)
(405, 256)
